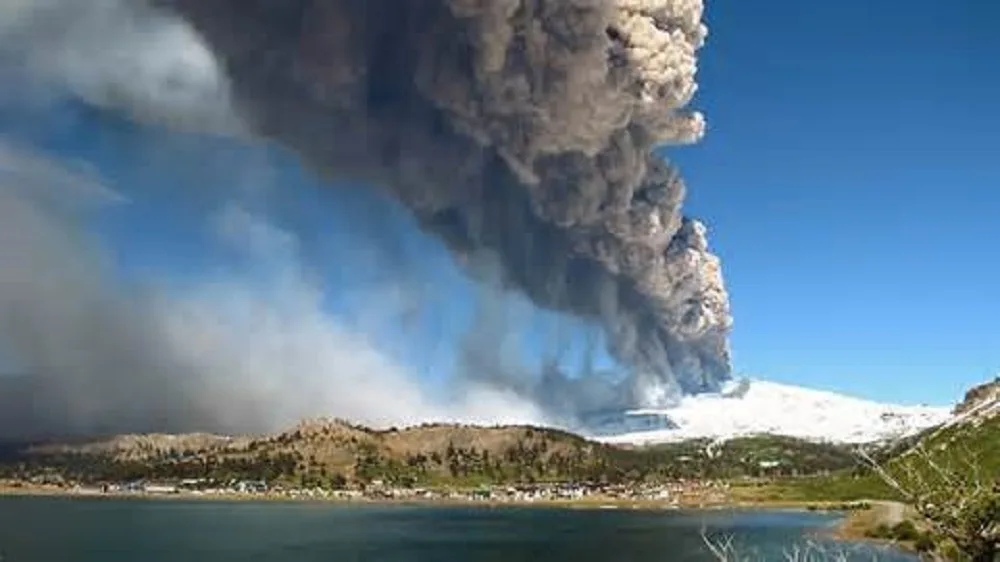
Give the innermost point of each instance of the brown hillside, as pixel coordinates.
(336, 453)
(326, 447)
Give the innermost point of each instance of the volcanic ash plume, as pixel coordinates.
(520, 128)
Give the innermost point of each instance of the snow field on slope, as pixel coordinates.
(762, 407)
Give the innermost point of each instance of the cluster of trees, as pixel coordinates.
(541, 459)
(761, 456)
(536, 456)
(524, 462)
(90, 469)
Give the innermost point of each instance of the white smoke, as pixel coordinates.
(291, 358)
(228, 352)
(121, 55)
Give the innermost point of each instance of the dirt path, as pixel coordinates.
(858, 524)
(891, 513)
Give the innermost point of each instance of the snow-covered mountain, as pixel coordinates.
(753, 407)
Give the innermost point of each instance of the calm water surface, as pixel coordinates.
(57, 530)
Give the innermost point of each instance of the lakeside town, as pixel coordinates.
(683, 493)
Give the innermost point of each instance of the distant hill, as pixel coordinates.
(336, 453)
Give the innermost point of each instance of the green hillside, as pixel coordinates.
(956, 449)
(334, 454)
(755, 456)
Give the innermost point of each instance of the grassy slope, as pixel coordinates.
(952, 447)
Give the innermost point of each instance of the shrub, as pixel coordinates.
(924, 543)
(881, 531)
(905, 531)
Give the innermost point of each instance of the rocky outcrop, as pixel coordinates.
(979, 398)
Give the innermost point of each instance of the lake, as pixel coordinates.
(100, 530)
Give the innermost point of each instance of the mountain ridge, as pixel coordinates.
(337, 452)
(749, 407)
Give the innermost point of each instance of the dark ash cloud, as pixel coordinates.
(523, 128)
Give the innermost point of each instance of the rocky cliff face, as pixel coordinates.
(981, 397)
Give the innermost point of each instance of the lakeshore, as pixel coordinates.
(678, 496)
(687, 495)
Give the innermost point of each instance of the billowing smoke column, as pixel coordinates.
(519, 128)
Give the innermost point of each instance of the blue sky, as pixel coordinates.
(848, 179)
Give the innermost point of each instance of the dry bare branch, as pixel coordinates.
(953, 495)
(724, 549)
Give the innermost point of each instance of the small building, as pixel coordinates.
(251, 487)
(482, 494)
(161, 489)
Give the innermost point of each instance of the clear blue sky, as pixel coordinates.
(849, 178)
